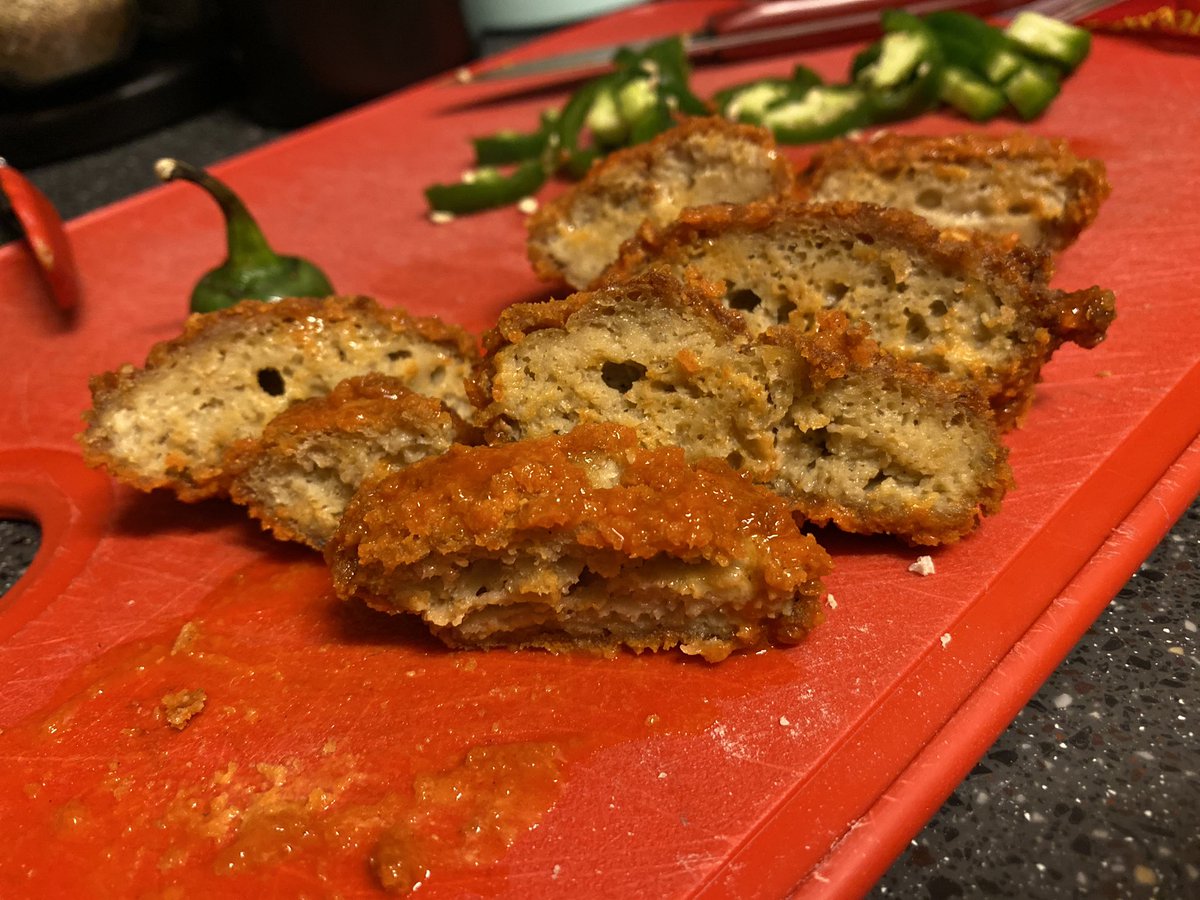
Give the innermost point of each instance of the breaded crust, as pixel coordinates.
(959, 302)
(1017, 184)
(827, 418)
(169, 423)
(703, 160)
(877, 444)
(585, 540)
(297, 477)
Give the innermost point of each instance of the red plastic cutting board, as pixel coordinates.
(330, 736)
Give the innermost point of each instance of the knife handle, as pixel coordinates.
(760, 15)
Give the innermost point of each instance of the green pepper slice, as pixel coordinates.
(604, 119)
(507, 147)
(1031, 90)
(252, 270)
(487, 188)
(901, 73)
(748, 102)
(987, 50)
(969, 94)
(667, 63)
(1050, 39)
(824, 112)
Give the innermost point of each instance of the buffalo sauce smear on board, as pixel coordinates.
(280, 740)
(264, 741)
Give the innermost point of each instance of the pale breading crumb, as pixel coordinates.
(923, 566)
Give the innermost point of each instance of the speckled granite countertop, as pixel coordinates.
(1092, 791)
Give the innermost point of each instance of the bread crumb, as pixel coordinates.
(1104, 373)
(923, 566)
(832, 603)
(463, 75)
(784, 721)
(528, 205)
(945, 640)
(440, 217)
(181, 707)
(186, 637)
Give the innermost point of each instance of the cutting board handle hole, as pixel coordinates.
(20, 540)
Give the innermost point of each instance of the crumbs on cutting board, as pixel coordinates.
(180, 707)
(923, 566)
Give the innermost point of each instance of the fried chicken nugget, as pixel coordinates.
(845, 431)
(581, 541)
(298, 476)
(1031, 187)
(706, 160)
(958, 302)
(170, 423)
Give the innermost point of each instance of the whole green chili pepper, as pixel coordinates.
(252, 270)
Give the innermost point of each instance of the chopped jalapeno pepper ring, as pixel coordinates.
(486, 188)
(642, 97)
(946, 57)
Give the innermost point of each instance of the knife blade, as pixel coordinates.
(746, 31)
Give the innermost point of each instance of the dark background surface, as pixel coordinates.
(1092, 791)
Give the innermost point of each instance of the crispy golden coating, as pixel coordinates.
(297, 477)
(830, 420)
(169, 423)
(706, 160)
(1019, 184)
(959, 302)
(585, 540)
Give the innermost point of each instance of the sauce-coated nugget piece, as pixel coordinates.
(1017, 184)
(848, 433)
(959, 302)
(581, 541)
(298, 476)
(574, 236)
(170, 423)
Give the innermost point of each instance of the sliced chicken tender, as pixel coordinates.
(170, 423)
(1021, 185)
(585, 541)
(876, 444)
(649, 354)
(298, 476)
(848, 433)
(701, 161)
(960, 303)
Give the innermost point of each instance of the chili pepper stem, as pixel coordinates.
(246, 243)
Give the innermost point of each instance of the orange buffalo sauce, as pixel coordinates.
(337, 751)
(300, 770)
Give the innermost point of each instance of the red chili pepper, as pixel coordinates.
(44, 232)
